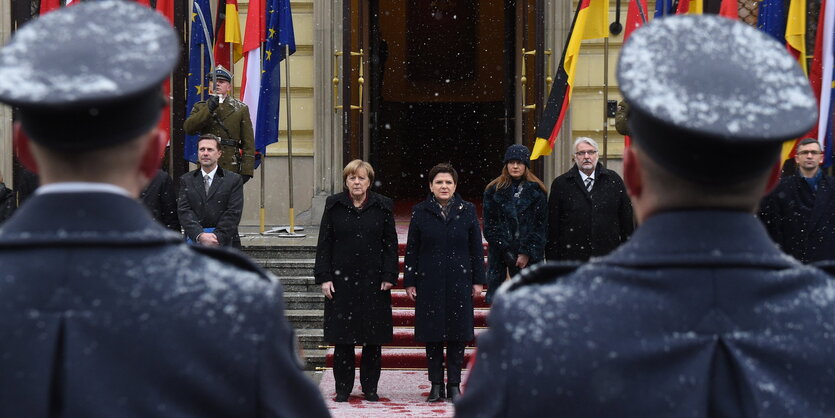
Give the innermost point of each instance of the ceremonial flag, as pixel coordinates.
(826, 32)
(663, 8)
(796, 44)
(729, 9)
(228, 34)
(166, 8)
(634, 18)
(221, 48)
(590, 22)
(253, 37)
(279, 34)
(693, 7)
(199, 64)
(233, 30)
(49, 5)
(796, 32)
(771, 18)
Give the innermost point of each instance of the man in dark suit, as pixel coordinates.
(211, 199)
(699, 314)
(589, 213)
(104, 312)
(800, 213)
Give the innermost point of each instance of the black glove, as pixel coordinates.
(510, 259)
(213, 103)
(245, 178)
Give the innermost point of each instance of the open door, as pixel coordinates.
(349, 78)
(535, 75)
(441, 81)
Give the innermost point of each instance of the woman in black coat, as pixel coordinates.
(356, 265)
(444, 272)
(515, 216)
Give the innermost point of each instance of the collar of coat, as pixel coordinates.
(199, 173)
(374, 199)
(456, 206)
(599, 172)
(715, 238)
(504, 196)
(83, 219)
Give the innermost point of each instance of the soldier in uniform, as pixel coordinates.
(227, 118)
(104, 312)
(699, 314)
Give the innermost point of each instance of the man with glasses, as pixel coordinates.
(800, 213)
(589, 213)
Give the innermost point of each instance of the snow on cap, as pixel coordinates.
(706, 92)
(89, 75)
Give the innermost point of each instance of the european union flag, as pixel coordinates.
(279, 34)
(199, 64)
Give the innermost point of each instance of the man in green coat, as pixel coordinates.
(228, 118)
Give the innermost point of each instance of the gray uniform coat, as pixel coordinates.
(698, 315)
(104, 313)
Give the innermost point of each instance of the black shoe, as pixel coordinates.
(371, 397)
(436, 393)
(341, 397)
(453, 392)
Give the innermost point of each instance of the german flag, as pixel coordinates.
(590, 22)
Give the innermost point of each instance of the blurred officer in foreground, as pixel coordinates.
(699, 314)
(103, 312)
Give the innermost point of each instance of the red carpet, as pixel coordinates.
(402, 394)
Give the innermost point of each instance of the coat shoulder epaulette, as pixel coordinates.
(233, 258)
(541, 273)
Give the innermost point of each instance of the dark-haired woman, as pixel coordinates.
(356, 265)
(515, 217)
(444, 272)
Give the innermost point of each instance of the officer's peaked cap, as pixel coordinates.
(712, 99)
(221, 73)
(89, 76)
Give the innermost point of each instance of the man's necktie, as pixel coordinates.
(206, 184)
(589, 183)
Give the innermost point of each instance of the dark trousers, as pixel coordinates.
(343, 367)
(454, 361)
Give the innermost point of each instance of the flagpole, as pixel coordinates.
(289, 136)
(605, 100)
(262, 211)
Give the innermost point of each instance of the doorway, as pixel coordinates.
(442, 90)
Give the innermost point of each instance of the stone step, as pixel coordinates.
(314, 359)
(300, 284)
(304, 318)
(280, 252)
(288, 267)
(311, 338)
(304, 300)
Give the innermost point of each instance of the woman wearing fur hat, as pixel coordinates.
(515, 213)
